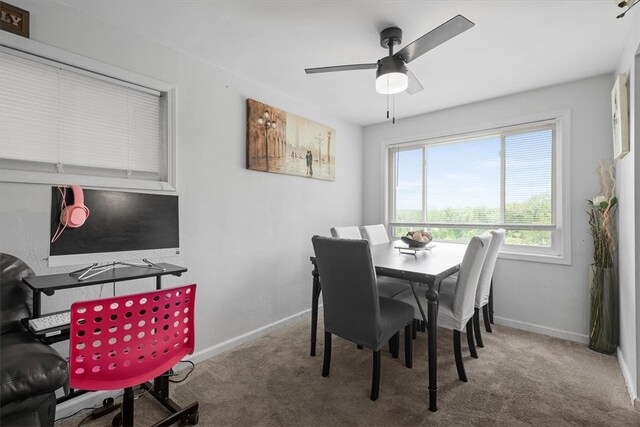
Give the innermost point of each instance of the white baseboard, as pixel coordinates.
(633, 393)
(91, 399)
(94, 399)
(236, 341)
(544, 330)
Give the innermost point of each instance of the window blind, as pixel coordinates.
(529, 158)
(501, 178)
(409, 185)
(53, 115)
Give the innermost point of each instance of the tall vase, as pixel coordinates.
(603, 319)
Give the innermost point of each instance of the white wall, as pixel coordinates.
(629, 223)
(245, 235)
(546, 298)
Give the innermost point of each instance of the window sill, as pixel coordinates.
(25, 177)
(549, 257)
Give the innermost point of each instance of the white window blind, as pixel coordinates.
(53, 115)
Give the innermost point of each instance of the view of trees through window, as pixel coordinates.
(458, 189)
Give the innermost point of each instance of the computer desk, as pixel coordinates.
(49, 284)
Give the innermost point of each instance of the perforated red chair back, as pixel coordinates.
(124, 341)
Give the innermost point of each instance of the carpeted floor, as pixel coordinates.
(521, 378)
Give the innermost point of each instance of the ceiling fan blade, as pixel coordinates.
(456, 25)
(341, 68)
(414, 85)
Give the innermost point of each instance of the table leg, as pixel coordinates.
(315, 296)
(413, 289)
(432, 339)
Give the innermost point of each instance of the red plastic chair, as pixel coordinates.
(124, 341)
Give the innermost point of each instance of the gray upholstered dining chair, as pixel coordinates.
(352, 307)
(484, 285)
(455, 311)
(387, 286)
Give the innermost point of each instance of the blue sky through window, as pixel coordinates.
(467, 174)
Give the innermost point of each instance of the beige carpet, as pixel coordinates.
(520, 378)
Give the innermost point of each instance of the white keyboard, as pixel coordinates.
(52, 321)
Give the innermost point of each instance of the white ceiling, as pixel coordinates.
(515, 45)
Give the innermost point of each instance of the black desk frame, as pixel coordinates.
(52, 283)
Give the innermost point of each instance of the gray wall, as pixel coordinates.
(629, 223)
(245, 235)
(546, 298)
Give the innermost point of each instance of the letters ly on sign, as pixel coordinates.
(14, 19)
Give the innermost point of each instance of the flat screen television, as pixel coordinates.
(122, 226)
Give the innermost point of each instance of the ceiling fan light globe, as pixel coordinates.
(392, 83)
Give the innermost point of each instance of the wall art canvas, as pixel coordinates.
(620, 117)
(281, 142)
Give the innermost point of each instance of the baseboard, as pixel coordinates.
(633, 393)
(94, 399)
(544, 330)
(249, 336)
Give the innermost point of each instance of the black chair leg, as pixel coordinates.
(470, 342)
(414, 328)
(326, 362)
(423, 326)
(485, 316)
(476, 327)
(491, 303)
(457, 350)
(408, 347)
(375, 380)
(127, 407)
(395, 339)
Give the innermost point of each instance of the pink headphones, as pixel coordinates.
(75, 215)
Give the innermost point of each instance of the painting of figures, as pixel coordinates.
(281, 142)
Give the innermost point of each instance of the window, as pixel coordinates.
(464, 185)
(64, 124)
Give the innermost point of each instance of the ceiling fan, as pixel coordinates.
(392, 75)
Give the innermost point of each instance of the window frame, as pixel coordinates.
(560, 251)
(35, 51)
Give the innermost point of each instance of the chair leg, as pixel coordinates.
(490, 310)
(470, 342)
(375, 380)
(476, 327)
(457, 350)
(414, 328)
(326, 362)
(127, 407)
(408, 347)
(395, 339)
(423, 326)
(487, 319)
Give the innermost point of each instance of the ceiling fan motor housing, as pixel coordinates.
(390, 64)
(391, 76)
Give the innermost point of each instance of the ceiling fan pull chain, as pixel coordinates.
(387, 106)
(393, 106)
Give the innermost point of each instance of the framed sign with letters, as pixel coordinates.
(14, 19)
